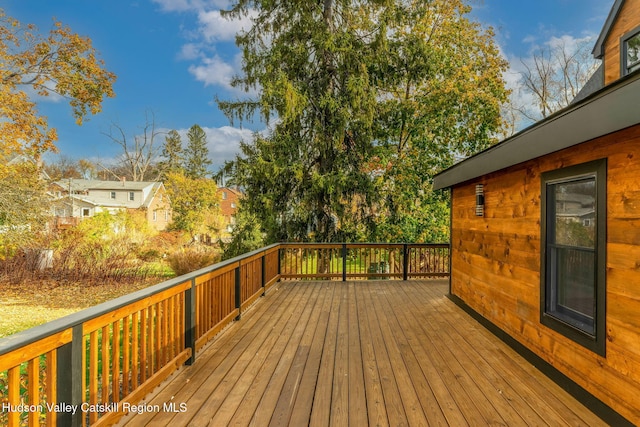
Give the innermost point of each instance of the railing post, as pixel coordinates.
(190, 321)
(279, 260)
(69, 379)
(238, 291)
(263, 264)
(405, 262)
(344, 262)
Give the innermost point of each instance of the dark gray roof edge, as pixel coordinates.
(610, 109)
(598, 49)
(594, 84)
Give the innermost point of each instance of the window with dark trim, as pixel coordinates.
(573, 253)
(630, 45)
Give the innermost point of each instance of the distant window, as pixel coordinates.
(631, 51)
(166, 215)
(131, 196)
(113, 194)
(86, 212)
(155, 215)
(233, 205)
(573, 263)
(224, 195)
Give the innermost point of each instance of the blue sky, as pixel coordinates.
(172, 57)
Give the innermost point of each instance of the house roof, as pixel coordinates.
(598, 49)
(608, 110)
(94, 184)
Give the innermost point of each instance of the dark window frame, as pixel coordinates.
(597, 169)
(624, 67)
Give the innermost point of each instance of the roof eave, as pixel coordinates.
(609, 110)
(598, 49)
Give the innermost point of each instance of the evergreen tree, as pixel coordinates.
(196, 154)
(172, 153)
(370, 102)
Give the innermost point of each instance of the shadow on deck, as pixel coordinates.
(358, 353)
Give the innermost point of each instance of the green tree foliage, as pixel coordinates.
(441, 89)
(306, 180)
(195, 204)
(23, 204)
(196, 154)
(371, 102)
(246, 235)
(172, 154)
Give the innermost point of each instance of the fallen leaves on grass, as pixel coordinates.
(29, 304)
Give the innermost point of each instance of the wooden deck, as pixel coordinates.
(359, 353)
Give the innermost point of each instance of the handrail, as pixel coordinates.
(113, 354)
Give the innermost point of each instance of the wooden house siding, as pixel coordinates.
(627, 20)
(495, 265)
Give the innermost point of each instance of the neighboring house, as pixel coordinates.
(566, 297)
(229, 199)
(76, 199)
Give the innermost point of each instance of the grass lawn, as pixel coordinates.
(25, 305)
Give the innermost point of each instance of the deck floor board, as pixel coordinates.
(386, 353)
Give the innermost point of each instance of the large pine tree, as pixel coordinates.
(369, 99)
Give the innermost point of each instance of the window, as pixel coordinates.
(630, 51)
(224, 195)
(155, 215)
(573, 253)
(131, 196)
(113, 194)
(86, 212)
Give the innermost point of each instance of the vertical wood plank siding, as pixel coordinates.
(130, 345)
(627, 21)
(496, 265)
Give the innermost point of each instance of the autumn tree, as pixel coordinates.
(172, 154)
(196, 154)
(195, 204)
(554, 75)
(62, 63)
(367, 104)
(140, 151)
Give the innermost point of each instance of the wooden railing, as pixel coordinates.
(363, 261)
(94, 366)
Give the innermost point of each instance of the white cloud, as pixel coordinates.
(189, 52)
(213, 71)
(191, 5)
(214, 27)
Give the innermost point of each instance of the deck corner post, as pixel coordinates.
(69, 378)
(190, 321)
(405, 262)
(344, 262)
(238, 289)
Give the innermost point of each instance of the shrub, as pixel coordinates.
(192, 258)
